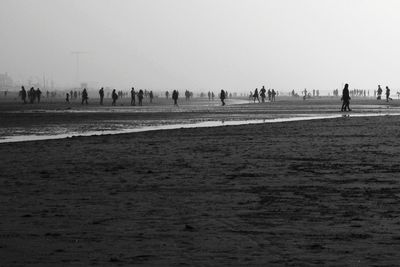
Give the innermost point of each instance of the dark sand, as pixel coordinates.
(322, 192)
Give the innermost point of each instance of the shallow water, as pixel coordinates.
(121, 128)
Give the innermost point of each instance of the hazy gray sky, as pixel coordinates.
(204, 44)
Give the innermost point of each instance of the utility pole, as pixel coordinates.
(77, 54)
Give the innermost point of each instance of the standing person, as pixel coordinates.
(262, 94)
(346, 98)
(101, 94)
(388, 94)
(38, 94)
(85, 96)
(31, 95)
(209, 95)
(133, 96)
(222, 97)
(151, 96)
(175, 96)
(379, 92)
(23, 94)
(67, 99)
(114, 97)
(273, 94)
(166, 94)
(212, 96)
(255, 96)
(140, 97)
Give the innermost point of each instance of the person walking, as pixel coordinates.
(23, 94)
(175, 95)
(85, 96)
(133, 97)
(388, 94)
(114, 97)
(346, 98)
(263, 94)
(140, 97)
(379, 93)
(255, 96)
(101, 94)
(222, 96)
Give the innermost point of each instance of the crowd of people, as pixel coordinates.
(263, 93)
(34, 95)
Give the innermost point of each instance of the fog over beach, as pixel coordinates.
(199, 133)
(232, 45)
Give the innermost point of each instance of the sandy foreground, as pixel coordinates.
(323, 192)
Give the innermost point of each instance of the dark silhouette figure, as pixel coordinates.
(31, 95)
(38, 94)
(114, 97)
(305, 94)
(212, 96)
(140, 97)
(379, 93)
(151, 95)
(273, 94)
(255, 96)
(67, 98)
(133, 97)
(346, 98)
(101, 94)
(85, 96)
(222, 96)
(23, 94)
(209, 95)
(175, 96)
(166, 94)
(262, 94)
(388, 94)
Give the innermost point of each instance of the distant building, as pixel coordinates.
(6, 81)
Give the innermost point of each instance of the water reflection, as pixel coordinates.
(121, 128)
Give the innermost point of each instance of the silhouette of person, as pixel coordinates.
(31, 95)
(262, 94)
(38, 94)
(273, 94)
(23, 94)
(85, 96)
(255, 96)
(379, 92)
(133, 97)
(101, 93)
(346, 98)
(175, 96)
(166, 94)
(212, 96)
(114, 97)
(67, 98)
(151, 96)
(140, 97)
(388, 94)
(222, 97)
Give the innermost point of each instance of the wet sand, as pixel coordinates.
(56, 119)
(321, 192)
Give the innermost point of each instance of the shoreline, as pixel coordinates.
(166, 127)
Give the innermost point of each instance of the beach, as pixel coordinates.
(300, 193)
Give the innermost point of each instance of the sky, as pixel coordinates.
(236, 45)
